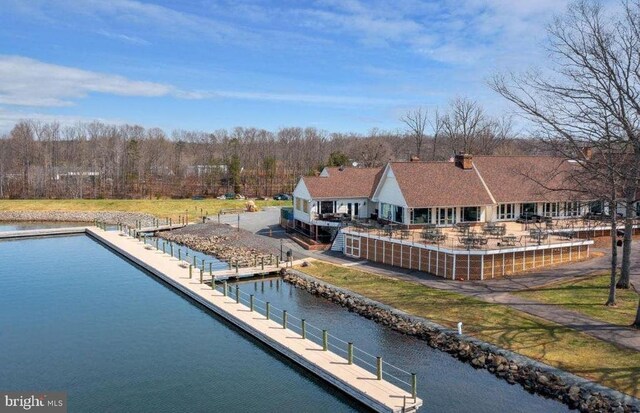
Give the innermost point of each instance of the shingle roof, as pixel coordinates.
(345, 183)
(431, 184)
(526, 178)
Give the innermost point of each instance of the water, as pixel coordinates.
(444, 383)
(75, 317)
(22, 225)
(115, 339)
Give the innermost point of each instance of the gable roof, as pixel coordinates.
(526, 178)
(343, 182)
(431, 184)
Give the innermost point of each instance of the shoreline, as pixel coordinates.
(534, 376)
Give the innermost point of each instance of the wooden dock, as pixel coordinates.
(380, 395)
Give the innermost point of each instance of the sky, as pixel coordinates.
(337, 65)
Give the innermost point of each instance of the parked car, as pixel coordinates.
(282, 197)
(530, 218)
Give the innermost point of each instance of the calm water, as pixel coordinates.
(75, 317)
(445, 384)
(115, 339)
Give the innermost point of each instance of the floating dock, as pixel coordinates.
(363, 385)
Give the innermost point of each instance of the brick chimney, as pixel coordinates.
(464, 160)
(587, 152)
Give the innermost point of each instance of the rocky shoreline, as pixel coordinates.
(109, 217)
(221, 241)
(535, 377)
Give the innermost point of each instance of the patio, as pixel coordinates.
(477, 236)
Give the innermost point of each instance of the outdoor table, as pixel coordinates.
(509, 240)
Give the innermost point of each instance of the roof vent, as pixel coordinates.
(414, 158)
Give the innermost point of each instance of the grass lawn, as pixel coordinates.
(162, 208)
(587, 296)
(501, 325)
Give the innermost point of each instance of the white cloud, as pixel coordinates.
(8, 118)
(135, 40)
(29, 82)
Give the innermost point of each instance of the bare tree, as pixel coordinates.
(436, 123)
(591, 98)
(467, 128)
(416, 121)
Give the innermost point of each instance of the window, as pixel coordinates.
(572, 209)
(326, 207)
(298, 204)
(596, 207)
(506, 211)
(551, 209)
(305, 206)
(385, 211)
(471, 214)
(399, 214)
(446, 216)
(356, 209)
(530, 208)
(421, 216)
(392, 212)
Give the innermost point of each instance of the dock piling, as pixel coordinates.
(237, 293)
(251, 302)
(414, 386)
(304, 329)
(190, 271)
(268, 309)
(284, 319)
(379, 367)
(325, 340)
(224, 288)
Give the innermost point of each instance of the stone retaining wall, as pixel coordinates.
(536, 377)
(110, 217)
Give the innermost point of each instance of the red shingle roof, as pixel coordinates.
(526, 178)
(345, 183)
(431, 184)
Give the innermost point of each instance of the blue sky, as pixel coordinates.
(338, 65)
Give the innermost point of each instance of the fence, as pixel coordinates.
(354, 355)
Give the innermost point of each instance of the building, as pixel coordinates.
(413, 194)
(320, 203)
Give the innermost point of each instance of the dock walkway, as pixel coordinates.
(363, 385)
(380, 395)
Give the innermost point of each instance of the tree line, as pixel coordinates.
(98, 160)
